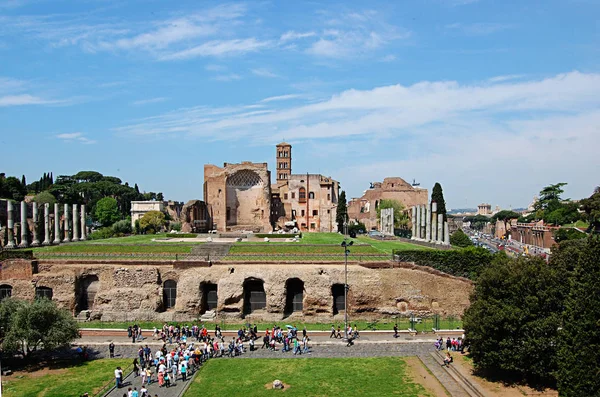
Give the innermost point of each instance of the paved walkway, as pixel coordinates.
(176, 389)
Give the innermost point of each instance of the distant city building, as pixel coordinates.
(484, 209)
(140, 208)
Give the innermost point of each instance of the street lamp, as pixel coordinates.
(346, 244)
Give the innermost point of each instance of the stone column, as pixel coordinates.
(83, 231)
(446, 233)
(36, 218)
(46, 224)
(66, 239)
(440, 226)
(75, 224)
(24, 226)
(56, 225)
(423, 216)
(413, 220)
(434, 222)
(418, 222)
(427, 223)
(10, 225)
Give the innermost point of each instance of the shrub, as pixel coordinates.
(275, 235)
(122, 227)
(105, 232)
(176, 226)
(460, 239)
(465, 262)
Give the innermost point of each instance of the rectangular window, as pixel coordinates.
(315, 212)
(293, 195)
(302, 213)
(285, 196)
(329, 211)
(328, 197)
(313, 226)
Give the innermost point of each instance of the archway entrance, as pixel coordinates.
(294, 288)
(209, 297)
(339, 300)
(5, 291)
(244, 191)
(169, 294)
(255, 297)
(89, 286)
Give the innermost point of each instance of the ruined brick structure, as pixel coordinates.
(129, 291)
(364, 209)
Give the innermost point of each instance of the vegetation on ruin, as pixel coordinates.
(465, 262)
(307, 377)
(538, 322)
(60, 381)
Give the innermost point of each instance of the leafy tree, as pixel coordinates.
(13, 189)
(460, 239)
(342, 211)
(549, 195)
(579, 343)
(478, 222)
(45, 197)
(400, 218)
(175, 226)
(106, 211)
(506, 216)
(565, 233)
(513, 320)
(122, 227)
(591, 206)
(37, 325)
(437, 195)
(152, 221)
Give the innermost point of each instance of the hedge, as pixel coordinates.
(275, 235)
(466, 262)
(181, 235)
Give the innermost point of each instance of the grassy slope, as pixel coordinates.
(306, 377)
(73, 381)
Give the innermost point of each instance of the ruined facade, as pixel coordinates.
(238, 196)
(364, 209)
(122, 291)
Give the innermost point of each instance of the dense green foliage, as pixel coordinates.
(106, 211)
(505, 216)
(465, 262)
(38, 325)
(122, 227)
(478, 222)
(579, 338)
(43, 198)
(342, 212)
(537, 321)
(307, 377)
(552, 208)
(591, 206)
(277, 235)
(152, 221)
(437, 196)
(513, 320)
(564, 234)
(460, 239)
(400, 218)
(12, 188)
(102, 233)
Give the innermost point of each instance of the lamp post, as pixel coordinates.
(346, 244)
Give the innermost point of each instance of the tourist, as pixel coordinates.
(448, 344)
(447, 360)
(183, 370)
(143, 375)
(332, 335)
(129, 392)
(161, 378)
(396, 331)
(148, 375)
(305, 344)
(136, 367)
(339, 333)
(167, 380)
(118, 377)
(111, 349)
(135, 393)
(143, 391)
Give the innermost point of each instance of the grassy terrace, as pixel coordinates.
(89, 377)
(307, 377)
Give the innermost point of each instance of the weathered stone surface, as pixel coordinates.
(134, 292)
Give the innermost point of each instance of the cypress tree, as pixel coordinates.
(437, 195)
(23, 181)
(342, 211)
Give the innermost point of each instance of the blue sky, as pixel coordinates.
(493, 99)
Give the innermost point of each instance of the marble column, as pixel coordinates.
(440, 226)
(446, 233)
(10, 225)
(418, 222)
(83, 234)
(413, 220)
(36, 218)
(427, 223)
(56, 225)
(46, 224)
(66, 239)
(24, 227)
(75, 224)
(434, 236)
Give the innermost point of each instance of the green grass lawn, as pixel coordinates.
(306, 377)
(278, 248)
(116, 249)
(89, 377)
(579, 224)
(388, 245)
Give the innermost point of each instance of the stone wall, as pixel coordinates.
(134, 292)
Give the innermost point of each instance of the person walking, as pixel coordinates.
(396, 330)
(111, 349)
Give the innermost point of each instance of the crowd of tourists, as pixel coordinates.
(454, 344)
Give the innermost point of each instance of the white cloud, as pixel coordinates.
(219, 48)
(227, 77)
(24, 99)
(76, 137)
(263, 72)
(215, 68)
(388, 58)
(291, 36)
(507, 77)
(149, 101)
(478, 29)
(281, 98)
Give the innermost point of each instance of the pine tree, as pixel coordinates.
(437, 195)
(342, 211)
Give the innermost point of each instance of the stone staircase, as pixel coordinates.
(211, 251)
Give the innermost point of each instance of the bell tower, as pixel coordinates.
(284, 161)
